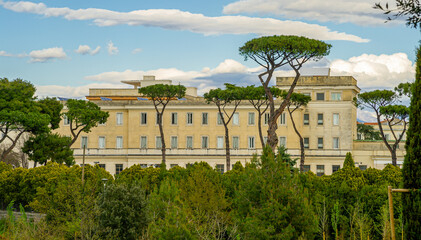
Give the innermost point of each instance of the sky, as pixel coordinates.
(66, 47)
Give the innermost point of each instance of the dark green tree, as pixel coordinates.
(19, 113)
(276, 51)
(411, 165)
(52, 107)
(227, 101)
(349, 161)
(49, 146)
(83, 116)
(383, 104)
(161, 95)
(367, 132)
(122, 211)
(297, 101)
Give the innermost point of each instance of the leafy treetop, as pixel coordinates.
(375, 99)
(409, 8)
(163, 93)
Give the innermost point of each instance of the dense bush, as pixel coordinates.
(262, 200)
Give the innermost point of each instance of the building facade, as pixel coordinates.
(194, 133)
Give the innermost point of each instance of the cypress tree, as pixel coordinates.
(412, 163)
(349, 161)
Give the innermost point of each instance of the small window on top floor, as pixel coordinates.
(335, 96)
(320, 96)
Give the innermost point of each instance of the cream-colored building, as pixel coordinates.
(193, 132)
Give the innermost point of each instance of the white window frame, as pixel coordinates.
(283, 119)
(266, 117)
(320, 122)
(174, 142)
(82, 142)
(146, 142)
(285, 141)
(236, 119)
(332, 98)
(205, 144)
(220, 142)
(119, 119)
(306, 145)
(336, 143)
(306, 122)
(219, 119)
(335, 119)
(205, 118)
(119, 142)
(174, 118)
(187, 142)
(320, 145)
(158, 144)
(238, 142)
(251, 119)
(141, 118)
(251, 142)
(189, 118)
(99, 142)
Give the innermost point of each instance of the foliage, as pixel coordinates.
(404, 8)
(52, 107)
(349, 161)
(367, 132)
(404, 89)
(272, 52)
(122, 211)
(49, 146)
(411, 166)
(83, 116)
(148, 178)
(19, 113)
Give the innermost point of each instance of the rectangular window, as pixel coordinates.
(266, 120)
(157, 118)
(320, 96)
(363, 167)
(189, 142)
(205, 142)
(189, 118)
(307, 94)
(84, 142)
(335, 168)
(251, 143)
(335, 143)
(174, 118)
(119, 119)
(387, 136)
(251, 118)
(336, 119)
(320, 170)
(158, 143)
(205, 118)
(235, 142)
(118, 168)
(101, 142)
(283, 141)
(320, 143)
(336, 96)
(174, 142)
(101, 166)
(306, 142)
(219, 118)
(320, 119)
(306, 118)
(119, 142)
(142, 165)
(143, 142)
(220, 168)
(306, 168)
(143, 118)
(66, 120)
(173, 165)
(219, 142)
(236, 119)
(283, 119)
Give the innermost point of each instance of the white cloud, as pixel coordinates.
(174, 19)
(360, 12)
(136, 50)
(376, 71)
(85, 49)
(366, 115)
(112, 50)
(47, 54)
(5, 54)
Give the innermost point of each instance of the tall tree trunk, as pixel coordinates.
(272, 136)
(384, 138)
(10, 148)
(161, 131)
(259, 121)
(302, 151)
(394, 158)
(227, 148)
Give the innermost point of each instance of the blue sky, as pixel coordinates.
(65, 47)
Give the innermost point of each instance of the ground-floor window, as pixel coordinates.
(320, 170)
(220, 168)
(118, 168)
